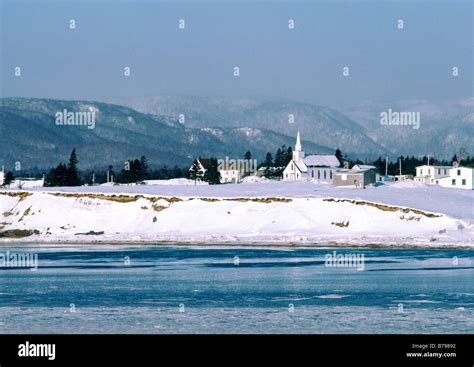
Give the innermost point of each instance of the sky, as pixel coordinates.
(302, 64)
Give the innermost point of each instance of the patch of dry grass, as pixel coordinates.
(18, 233)
(384, 207)
(341, 224)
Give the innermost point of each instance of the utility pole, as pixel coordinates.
(386, 166)
(400, 165)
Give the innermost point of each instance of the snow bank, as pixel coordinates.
(174, 181)
(456, 203)
(254, 179)
(60, 217)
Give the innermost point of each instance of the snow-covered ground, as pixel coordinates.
(292, 213)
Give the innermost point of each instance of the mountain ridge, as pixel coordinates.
(29, 135)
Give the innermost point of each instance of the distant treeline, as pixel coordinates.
(273, 167)
(137, 170)
(133, 171)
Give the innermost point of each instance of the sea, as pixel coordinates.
(176, 289)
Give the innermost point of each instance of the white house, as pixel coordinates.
(320, 166)
(227, 175)
(459, 177)
(429, 174)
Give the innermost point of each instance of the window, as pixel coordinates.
(319, 174)
(330, 175)
(464, 182)
(439, 171)
(421, 171)
(312, 173)
(445, 171)
(292, 168)
(429, 171)
(453, 182)
(459, 172)
(324, 174)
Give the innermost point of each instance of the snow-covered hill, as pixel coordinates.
(325, 216)
(445, 128)
(318, 124)
(31, 136)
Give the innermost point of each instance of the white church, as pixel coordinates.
(320, 167)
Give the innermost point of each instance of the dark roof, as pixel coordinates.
(204, 162)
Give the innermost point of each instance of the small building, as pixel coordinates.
(429, 174)
(2, 177)
(262, 171)
(384, 178)
(26, 183)
(359, 167)
(354, 177)
(403, 177)
(378, 176)
(458, 177)
(318, 166)
(227, 175)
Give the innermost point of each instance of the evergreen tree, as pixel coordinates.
(176, 172)
(144, 168)
(248, 158)
(9, 178)
(136, 171)
(289, 156)
(133, 171)
(212, 175)
(125, 175)
(72, 172)
(279, 157)
(165, 173)
(268, 164)
(195, 172)
(58, 176)
(340, 157)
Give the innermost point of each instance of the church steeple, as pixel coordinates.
(298, 143)
(298, 154)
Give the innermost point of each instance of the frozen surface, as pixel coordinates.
(399, 291)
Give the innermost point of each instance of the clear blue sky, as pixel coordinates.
(301, 64)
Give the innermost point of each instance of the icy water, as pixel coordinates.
(154, 289)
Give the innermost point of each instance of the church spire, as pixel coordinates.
(298, 143)
(298, 154)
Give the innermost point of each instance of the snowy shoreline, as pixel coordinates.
(309, 215)
(237, 245)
